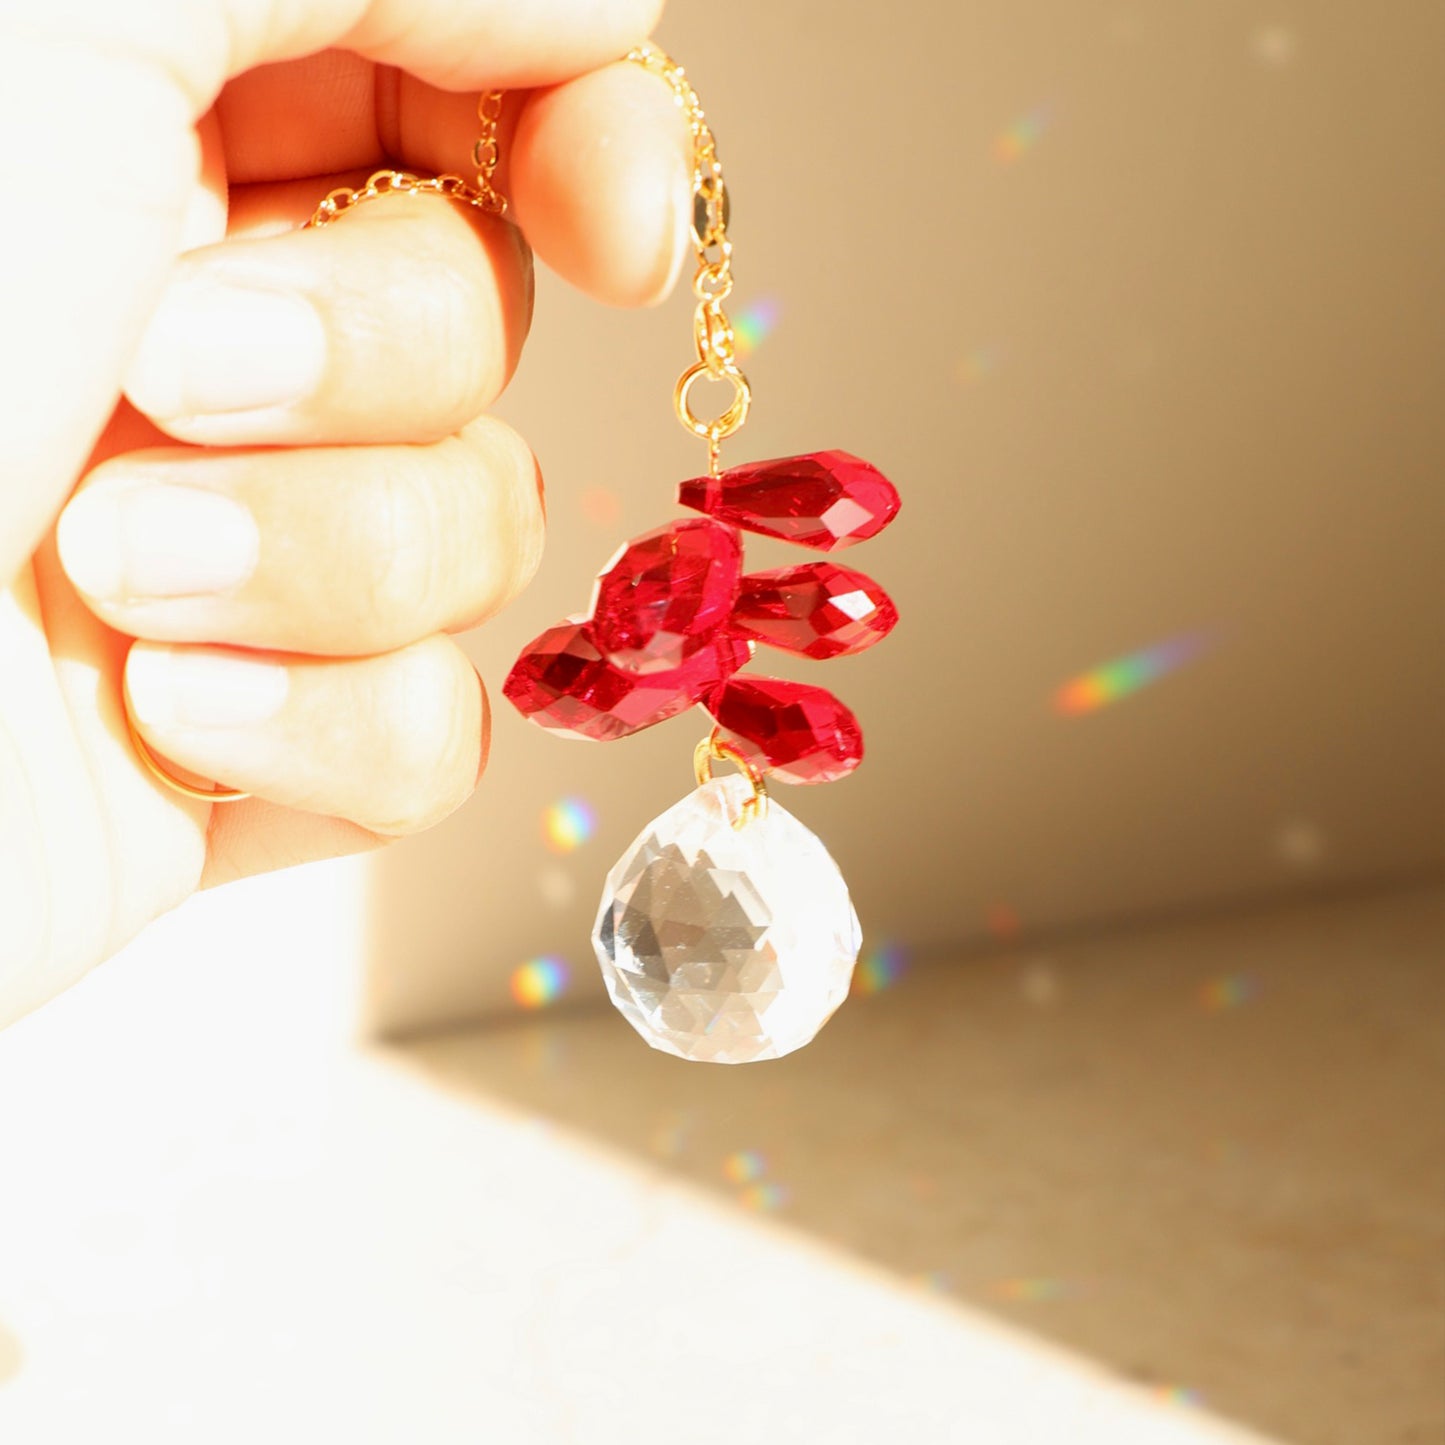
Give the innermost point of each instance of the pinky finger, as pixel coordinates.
(393, 743)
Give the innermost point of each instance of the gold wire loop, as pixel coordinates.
(217, 794)
(714, 749)
(730, 420)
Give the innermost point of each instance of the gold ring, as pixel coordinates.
(730, 420)
(216, 794)
(713, 748)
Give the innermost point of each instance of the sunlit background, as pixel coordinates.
(1129, 1131)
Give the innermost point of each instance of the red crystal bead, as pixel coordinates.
(796, 733)
(824, 500)
(563, 683)
(818, 609)
(664, 595)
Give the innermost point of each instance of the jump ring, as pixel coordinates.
(714, 748)
(730, 420)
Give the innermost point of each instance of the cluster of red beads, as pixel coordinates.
(674, 618)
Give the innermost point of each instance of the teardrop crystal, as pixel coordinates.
(665, 595)
(564, 684)
(824, 500)
(726, 944)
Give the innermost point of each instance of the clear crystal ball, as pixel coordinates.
(721, 944)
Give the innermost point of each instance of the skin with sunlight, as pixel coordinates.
(180, 369)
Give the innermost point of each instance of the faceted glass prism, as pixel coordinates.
(819, 609)
(789, 730)
(664, 595)
(721, 944)
(823, 500)
(563, 683)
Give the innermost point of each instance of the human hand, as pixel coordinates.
(293, 590)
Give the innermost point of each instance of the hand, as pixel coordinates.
(292, 590)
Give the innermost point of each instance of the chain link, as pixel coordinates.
(481, 193)
(485, 152)
(713, 337)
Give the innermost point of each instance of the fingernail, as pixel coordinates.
(201, 689)
(216, 348)
(681, 232)
(124, 543)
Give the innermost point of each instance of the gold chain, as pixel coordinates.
(712, 331)
(479, 193)
(711, 212)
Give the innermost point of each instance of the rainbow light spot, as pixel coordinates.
(568, 824)
(977, 366)
(753, 322)
(764, 1198)
(544, 1052)
(1040, 984)
(1231, 991)
(1274, 45)
(924, 1186)
(669, 1138)
(1180, 1395)
(1300, 844)
(601, 507)
(1223, 1151)
(1031, 1291)
(1122, 676)
(744, 1167)
(880, 969)
(1004, 921)
(539, 982)
(1020, 137)
(934, 1281)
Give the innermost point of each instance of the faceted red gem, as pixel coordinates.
(664, 596)
(818, 609)
(824, 500)
(796, 733)
(563, 683)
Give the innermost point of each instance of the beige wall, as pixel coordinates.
(1176, 366)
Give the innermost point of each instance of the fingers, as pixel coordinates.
(393, 743)
(399, 323)
(341, 551)
(598, 172)
(132, 80)
(304, 118)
